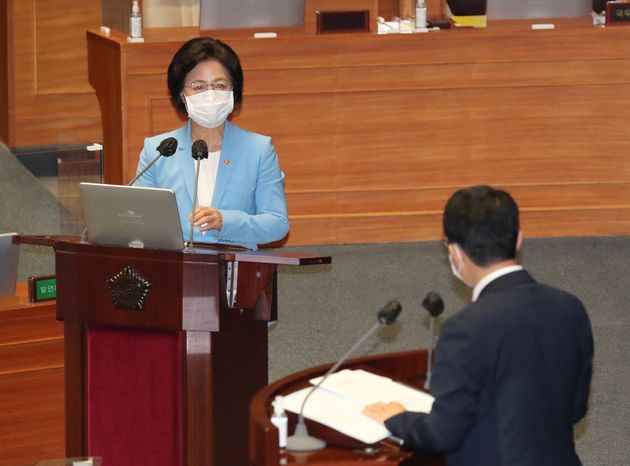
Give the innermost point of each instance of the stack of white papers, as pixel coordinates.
(339, 401)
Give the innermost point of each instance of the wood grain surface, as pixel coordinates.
(31, 381)
(375, 132)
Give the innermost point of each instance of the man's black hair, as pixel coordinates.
(484, 222)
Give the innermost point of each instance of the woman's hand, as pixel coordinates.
(380, 412)
(207, 218)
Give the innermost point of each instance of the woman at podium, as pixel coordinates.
(240, 192)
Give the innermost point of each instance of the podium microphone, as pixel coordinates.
(434, 304)
(300, 440)
(166, 148)
(199, 151)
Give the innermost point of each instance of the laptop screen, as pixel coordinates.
(131, 216)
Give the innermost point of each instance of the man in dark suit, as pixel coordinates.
(513, 369)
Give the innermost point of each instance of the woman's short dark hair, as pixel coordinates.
(484, 222)
(196, 51)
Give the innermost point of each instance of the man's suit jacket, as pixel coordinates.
(249, 190)
(512, 375)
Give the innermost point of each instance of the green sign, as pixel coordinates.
(45, 289)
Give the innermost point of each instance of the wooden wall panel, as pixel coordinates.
(416, 201)
(6, 83)
(564, 130)
(53, 101)
(31, 381)
(419, 76)
(40, 355)
(407, 227)
(38, 324)
(548, 210)
(32, 427)
(58, 67)
(411, 148)
(375, 132)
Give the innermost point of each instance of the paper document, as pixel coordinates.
(339, 401)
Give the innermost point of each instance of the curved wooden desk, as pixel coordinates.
(408, 367)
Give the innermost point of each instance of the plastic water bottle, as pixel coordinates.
(135, 21)
(421, 14)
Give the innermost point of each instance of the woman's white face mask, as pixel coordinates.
(211, 108)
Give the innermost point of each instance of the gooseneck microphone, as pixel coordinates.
(166, 148)
(199, 151)
(301, 440)
(433, 303)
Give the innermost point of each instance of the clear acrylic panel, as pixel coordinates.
(39, 188)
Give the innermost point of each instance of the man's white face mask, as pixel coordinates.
(453, 268)
(211, 108)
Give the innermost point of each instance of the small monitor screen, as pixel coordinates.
(521, 9)
(235, 14)
(538, 9)
(343, 21)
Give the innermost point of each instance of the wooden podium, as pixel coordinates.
(409, 367)
(163, 349)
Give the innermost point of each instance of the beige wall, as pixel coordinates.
(168, 13)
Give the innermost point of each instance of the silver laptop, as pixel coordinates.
(131, 216)
(538, 9)
(9, 255)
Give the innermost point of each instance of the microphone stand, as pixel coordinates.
(427, 381)
(301, 440)
(144, 170)
(434, 304)
(166, 148)
(199, 151)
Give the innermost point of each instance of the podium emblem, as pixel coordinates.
(128, 289)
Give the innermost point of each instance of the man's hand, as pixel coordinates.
(380, 412)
